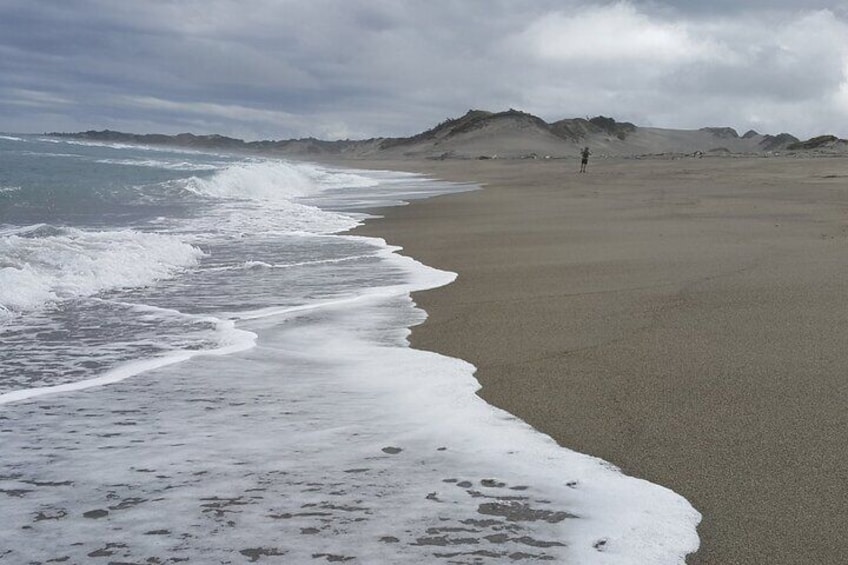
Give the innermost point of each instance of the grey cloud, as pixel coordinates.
(730, 6)
(289, 68)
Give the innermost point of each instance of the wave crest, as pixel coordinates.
(273, 180)
(71, 263)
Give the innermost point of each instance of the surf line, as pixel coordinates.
(133, 368)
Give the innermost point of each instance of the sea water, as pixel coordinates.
(198, 363)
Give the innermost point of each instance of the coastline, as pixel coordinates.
(366, 449)
(681, 319)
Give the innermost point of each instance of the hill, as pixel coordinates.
(508, 134)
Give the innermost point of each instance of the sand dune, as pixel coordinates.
(511, 135)
(515, 134)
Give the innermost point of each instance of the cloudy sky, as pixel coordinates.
(275, 69)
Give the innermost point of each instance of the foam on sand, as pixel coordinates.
(331, 439)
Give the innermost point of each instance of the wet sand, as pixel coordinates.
(686, 320)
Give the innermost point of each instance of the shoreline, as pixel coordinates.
(682, 319)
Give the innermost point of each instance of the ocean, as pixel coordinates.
(199, 363)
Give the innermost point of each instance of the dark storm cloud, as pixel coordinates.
(358, 68)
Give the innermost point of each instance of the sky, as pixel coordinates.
(355, 69)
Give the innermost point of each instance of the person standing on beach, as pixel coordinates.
(584, 159)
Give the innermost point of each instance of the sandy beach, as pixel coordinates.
(685, 320)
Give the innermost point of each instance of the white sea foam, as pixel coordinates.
(112, 145)
(9, 189)
(161, 164)
(273, 181)
(36, 269)
(266, 265)
(242, 219)
(254, 265)
(230, 340)
(261, 197)
(41, 154)
(11, 138)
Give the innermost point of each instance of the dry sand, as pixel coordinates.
(686, 320)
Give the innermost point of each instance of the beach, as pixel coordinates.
(684, 319)
(200, 363)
